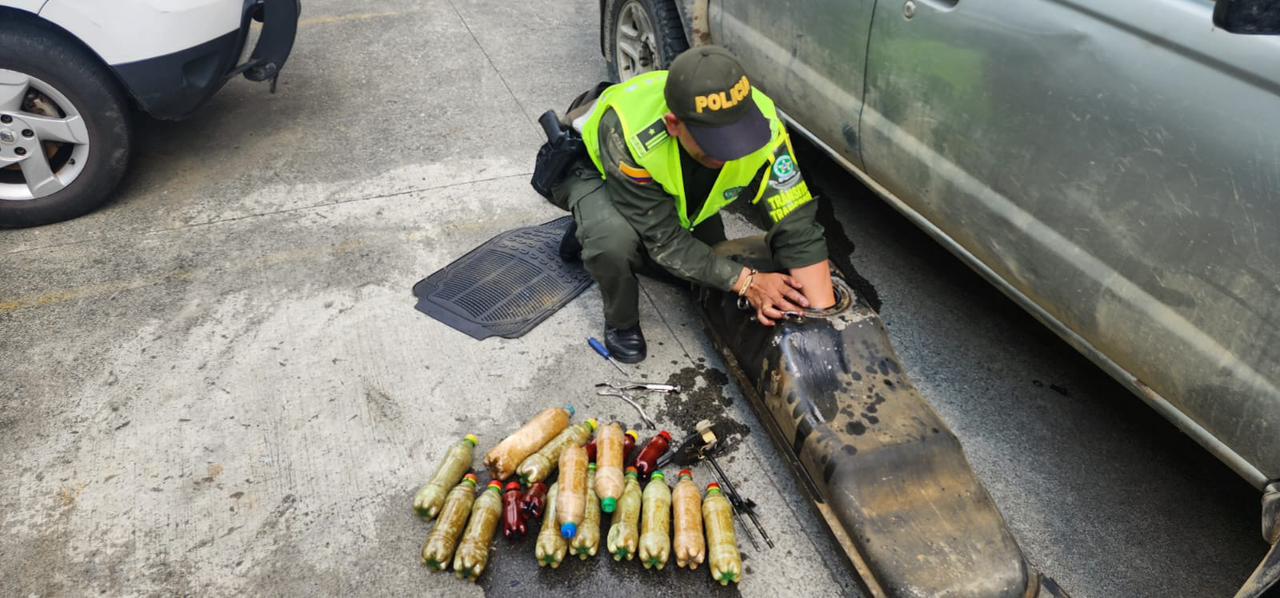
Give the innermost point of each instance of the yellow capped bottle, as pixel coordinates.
(438, 550)
(456, 462)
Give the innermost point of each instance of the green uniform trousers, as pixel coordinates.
(611, 249)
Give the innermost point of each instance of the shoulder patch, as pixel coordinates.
(785, 190)
(651, 136)
(783, 173)
(636, 174)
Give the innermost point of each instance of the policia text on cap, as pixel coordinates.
(665, 152)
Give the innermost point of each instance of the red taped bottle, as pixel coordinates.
(535, 500)
(513, 518)
(629, 441)
(647, 460)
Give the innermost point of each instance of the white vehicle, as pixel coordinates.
(72, 73)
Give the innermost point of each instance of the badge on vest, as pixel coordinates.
(650, 137)
(635, 174)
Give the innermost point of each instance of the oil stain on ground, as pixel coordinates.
(702, 397)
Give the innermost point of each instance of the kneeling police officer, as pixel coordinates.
(666, 151)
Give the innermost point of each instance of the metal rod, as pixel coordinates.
(724, 483)
(738, 504)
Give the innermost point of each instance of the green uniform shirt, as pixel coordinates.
(796, 240)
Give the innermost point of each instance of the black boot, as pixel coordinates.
(570, 248)
(625, 344)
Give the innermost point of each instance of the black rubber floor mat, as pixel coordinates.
(506, 286)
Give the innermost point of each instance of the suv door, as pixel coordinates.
(808, 56)
(1115, 165)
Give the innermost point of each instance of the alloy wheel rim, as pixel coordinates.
(44, 141)
(636, 45)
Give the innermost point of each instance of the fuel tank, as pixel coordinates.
(883, 468)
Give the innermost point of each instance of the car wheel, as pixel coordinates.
(65, 134)
(646, 35)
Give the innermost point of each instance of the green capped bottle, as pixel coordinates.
(624, 534)
(551, 547)
(609, 480)
(655, 522)
(686, 506)
(722, 542)
(587, 541)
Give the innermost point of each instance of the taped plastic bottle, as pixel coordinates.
(513, 515)
(535, 500)
(503, 459)
(443, 538)
(722, 542)
(571, 504)
(647, 460)
(473, 552)
(628, 446)
(655, 523)
(551, 548)
(624, 534)
(540, 465)
(457, 460)
(686, 506)
(609, 479)
(587, 541)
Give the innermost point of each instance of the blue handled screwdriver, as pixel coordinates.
(600, 349)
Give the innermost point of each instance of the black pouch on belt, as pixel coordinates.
(563, 148)
(564, 145)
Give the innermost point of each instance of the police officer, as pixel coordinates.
(668, 150)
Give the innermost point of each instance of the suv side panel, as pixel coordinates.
(1115, 163)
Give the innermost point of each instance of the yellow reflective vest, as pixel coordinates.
(641, 106)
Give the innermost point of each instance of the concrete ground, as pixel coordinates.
(218, 384)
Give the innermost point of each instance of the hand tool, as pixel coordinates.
(625, 386)
(740, 504)
(613, 392)
(603, 352)
(701, 446)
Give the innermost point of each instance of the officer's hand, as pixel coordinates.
(773, 295)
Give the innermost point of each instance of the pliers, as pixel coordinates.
(612, 389)
(625, 386)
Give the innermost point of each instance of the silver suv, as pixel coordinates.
(1113, 167)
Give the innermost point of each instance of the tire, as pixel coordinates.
(667, 39)
(50, 60)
